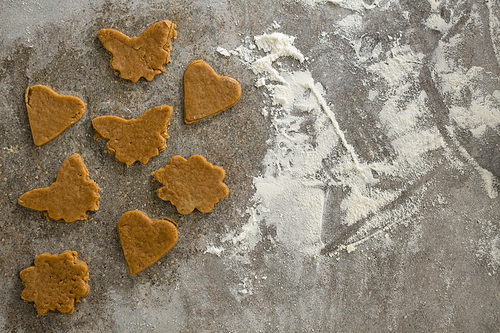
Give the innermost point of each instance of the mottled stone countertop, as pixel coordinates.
(362, 160)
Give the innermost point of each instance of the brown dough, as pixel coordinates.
(206, 93)
(50, 113)
(135, 139)
(191, 184)
(69, 197)
(144, 240)
(56, 282)
(143, 56)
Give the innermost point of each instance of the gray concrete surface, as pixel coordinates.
(425, 261)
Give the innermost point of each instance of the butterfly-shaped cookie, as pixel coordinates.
(143, 56)
(135, 139)
(69, 197)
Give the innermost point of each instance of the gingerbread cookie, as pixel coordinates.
(56, 282)
(135, 139)
(143, 56)
(50, 113)
(191, 184)
(144, 240)
(69, 197)
(206, 93)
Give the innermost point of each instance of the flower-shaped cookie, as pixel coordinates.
(192, 183)
(56, 282)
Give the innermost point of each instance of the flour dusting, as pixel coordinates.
(290, 195)
(214, 250)
(149, 313)
(356, 5)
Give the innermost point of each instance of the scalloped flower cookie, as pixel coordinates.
(55, 282)
(192, 183)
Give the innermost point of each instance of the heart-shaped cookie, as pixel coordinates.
(144, 240)
(50, 113)
(206, 93)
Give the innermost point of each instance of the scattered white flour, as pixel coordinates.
(223, 51)
(472, 105)
(276, 25)
(294, 208)
(246, 287)
(436, 22)
(247, 239)
(143, 309)
(290, 194)
(11, 149)
(490, 182)
(488, 247)
(276, 45)
(315, 2)
(350, 248)
(355, 5)
(494, 26)
(214, 250)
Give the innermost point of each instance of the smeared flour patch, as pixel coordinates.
(436, 21)
(249, 236)
(214, 250)
(290, 195)
(144, 309)
(473, 105)
(246, 287)
(467, 91)
(299, 227)
(488, 248)
(356, 5)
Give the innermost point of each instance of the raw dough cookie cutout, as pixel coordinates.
(55, 282)
(144, 240)
(192, 183)
(143, 56)
(50, 113)
(206, 93)
(69, 197)
(135, 139)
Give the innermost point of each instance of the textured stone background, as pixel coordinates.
(440, 285)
